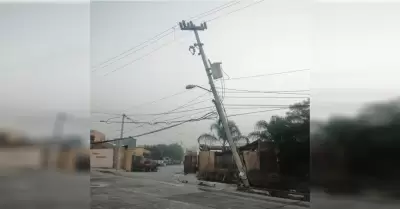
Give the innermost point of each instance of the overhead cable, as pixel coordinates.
(231, 12)
(268, 74)
(157, 37)
(157, 100)
(158, 130)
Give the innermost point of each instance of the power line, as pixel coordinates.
(166, 113)
(275, 92)
(157, 100)
(268, 91)
(157, 37)
(180, 107)
(182, 116)
(172, 120)
(125, 54)
(258, 92)
(268, 74)
(141, 57)
(262, 105)
(247, 6)
(214, 10)
(134, 47)
(248, 113)
(190, 110)
(158, 130)
(265, 97)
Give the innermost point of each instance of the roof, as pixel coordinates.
(130, 141)
(258, 145)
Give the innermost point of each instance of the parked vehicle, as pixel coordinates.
(144, 164)
(160, 163)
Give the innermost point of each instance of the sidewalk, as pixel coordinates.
(191, 180)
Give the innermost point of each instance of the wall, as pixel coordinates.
(139, 151)
(101, 158)
(206, 161)
(251, 160)
(127, 165)
(68, 159)
(24, 157)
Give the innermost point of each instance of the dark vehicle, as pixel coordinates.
(150, 165)
(139, 163)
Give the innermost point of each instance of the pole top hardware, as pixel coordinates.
(183, 25)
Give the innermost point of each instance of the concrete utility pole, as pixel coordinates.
(119, 141)
(190, 26)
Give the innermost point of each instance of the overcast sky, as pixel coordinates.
(257, 40)
(46, 48)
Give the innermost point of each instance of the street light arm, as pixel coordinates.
(191, 86)
(204, 88)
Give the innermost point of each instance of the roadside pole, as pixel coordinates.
(190, 26)
(119, 141)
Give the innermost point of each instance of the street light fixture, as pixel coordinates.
(191, 86)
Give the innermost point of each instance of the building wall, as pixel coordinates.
(139, 151)
(130, 142)
(251, 160)
(68, 159)
(206, 161)
(101, 158)
(22, 157)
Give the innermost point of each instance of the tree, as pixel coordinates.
(219, 134)
(261, 131)
(173, 151)
(294, 126)
(291, 135)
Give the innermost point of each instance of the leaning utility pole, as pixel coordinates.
(119, 141)
(190, 26)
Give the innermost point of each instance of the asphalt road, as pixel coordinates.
(151, 192)
(44, 190)
(161, 190)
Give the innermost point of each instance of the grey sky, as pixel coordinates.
(44, 58)
(45, 53)
(260, 39)
(355, 56)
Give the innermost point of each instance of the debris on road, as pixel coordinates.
(201, 183)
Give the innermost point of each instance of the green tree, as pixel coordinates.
(295, 125)
(219, 134)
(173, 151)
(291, 134)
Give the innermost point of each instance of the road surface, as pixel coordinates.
(44, 190)
(110, 191)
(161, 190)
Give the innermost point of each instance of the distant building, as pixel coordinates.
(10, 137)
(97, 136)
(128, 142)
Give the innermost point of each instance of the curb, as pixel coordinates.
(261, 197)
